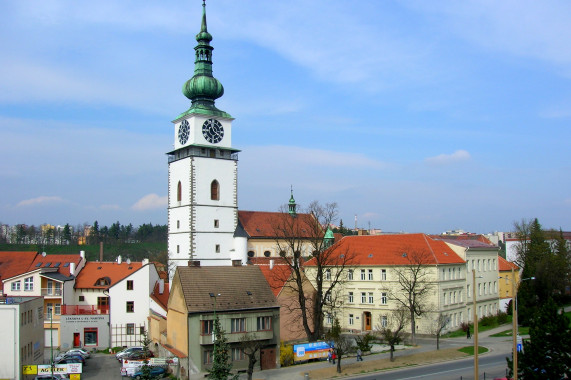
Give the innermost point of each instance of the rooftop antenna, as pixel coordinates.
(355, 222)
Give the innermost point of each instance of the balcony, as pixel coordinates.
(84, 310)
(51, 292)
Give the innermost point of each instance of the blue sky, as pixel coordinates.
(415, 116)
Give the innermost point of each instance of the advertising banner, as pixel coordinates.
(306, 351)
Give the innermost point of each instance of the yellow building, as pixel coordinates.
(506, 279)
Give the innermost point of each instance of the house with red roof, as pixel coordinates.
(278, 275)
(264, 231)
(111, 306)
(368, 295)
(52, 277)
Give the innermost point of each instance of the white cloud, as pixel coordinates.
(150, 202)
(445, 159)
(41, 200)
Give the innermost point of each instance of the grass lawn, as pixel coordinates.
(470, 350)
(481, 328)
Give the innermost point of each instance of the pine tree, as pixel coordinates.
(546, 354)
(221, 364)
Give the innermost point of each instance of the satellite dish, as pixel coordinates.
(43, 254)
(128, 261)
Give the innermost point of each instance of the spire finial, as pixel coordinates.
(292, 205)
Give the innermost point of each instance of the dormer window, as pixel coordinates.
(103, 281)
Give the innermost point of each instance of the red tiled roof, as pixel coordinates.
(505, 265)
(260, 224)
(162, 299)
(13, 263)
(391, 249)
(174, 351)
(277, 276)
(55, 259)
(93, 271)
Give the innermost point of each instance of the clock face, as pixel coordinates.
(212, 131)
(183, 132)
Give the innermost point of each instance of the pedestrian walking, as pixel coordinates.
(333, 357)
(468, 333)
(359, 353)
(329, 356)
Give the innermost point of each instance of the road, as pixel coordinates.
(490, 366)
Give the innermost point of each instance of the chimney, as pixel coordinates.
(145, 262)
(196, 263)
(82, 254)
(72, 269)
(271, 264)
(100, 251)
(119, 260)
(161, 286)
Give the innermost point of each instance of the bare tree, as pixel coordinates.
(391, 329)
(251, 347)
(439, 325)
(413, 286)
(301, 245)
(341, 343)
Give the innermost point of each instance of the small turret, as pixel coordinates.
(292, 205)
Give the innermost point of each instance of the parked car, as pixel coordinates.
(138, 355)
(127, 351)
(79, 351)
(66, 355)
(56, 376)
(156, 372)
(71, 359)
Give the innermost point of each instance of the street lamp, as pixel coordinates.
(213, 295)
(515, 331)
(475, 323)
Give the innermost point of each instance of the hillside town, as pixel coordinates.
(240, 289)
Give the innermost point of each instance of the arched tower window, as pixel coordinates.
(179, 192)
(215, 190)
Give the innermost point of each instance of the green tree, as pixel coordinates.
(145, 368)
(546, 353)
(94, 233)
(221, 364)
(67, 234)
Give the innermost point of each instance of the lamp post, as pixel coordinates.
(475, 325)
(515, 331)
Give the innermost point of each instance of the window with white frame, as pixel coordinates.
(384, 321)
(328, 297)
(490, 287)
(371, 298)
(479, 289)
(450, 297)
(363, 277)
(16, 286)
(350, 274)
(383, 298)
(238, 354)
(363, 297)
(443, 274)
(444, 298)
(264, 323)
(57, 308)
(383, 275)
(485, 288)
(328, 274)
(29, 284)
(351, 297)
(130, 329)
(351, 321)
(238, 325)
(370, 275)
(495, 286)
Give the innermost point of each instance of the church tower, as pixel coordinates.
(203, 171)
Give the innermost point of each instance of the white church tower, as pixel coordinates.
(203, 172)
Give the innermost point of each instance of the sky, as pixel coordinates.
(413, 116)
